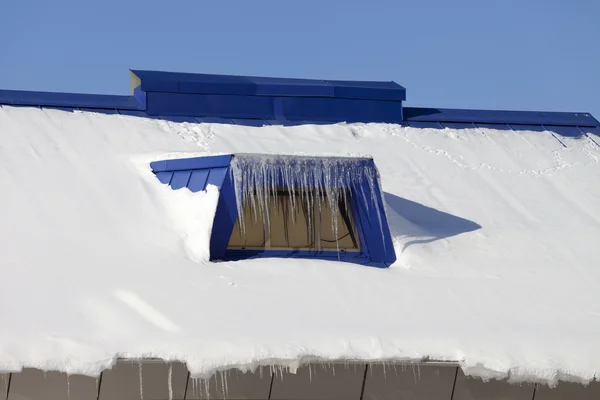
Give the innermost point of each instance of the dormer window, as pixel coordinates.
(290, 206)
(301, 221)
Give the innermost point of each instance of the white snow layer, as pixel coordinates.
(496, 234)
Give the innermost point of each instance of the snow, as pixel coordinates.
(495, 231)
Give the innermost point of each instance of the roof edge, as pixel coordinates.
(72, 100)
(423, 114)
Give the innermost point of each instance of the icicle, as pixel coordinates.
(223, 390)
(314, 180)
(141, 381)
(206, 386)
(68, 387)
(170, 383)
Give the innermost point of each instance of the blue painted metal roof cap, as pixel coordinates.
(178, 82)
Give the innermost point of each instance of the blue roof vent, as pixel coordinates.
(246, 97)
(290, 206)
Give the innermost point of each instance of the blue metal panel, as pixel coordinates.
(533, 128)
(165, 177)
(293, 87)
(180, 179)
(499, 117)
(191, 163)
(198, 179)
(278, 108)
(209, 105)
(217, 176)
(338, 110)
(155, 81)
(377, 237)
(140, 96)
(224, 222)
(18, 97)
(566, 131)
(371, 92)
(219, 85)
(425, 125)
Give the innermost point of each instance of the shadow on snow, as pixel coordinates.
(432, 223)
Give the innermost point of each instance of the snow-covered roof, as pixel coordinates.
(495, 233)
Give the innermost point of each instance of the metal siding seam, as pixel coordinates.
(454, 384)
(187, 382)
(100, 385)
(271, 385)
(534, 391)
(362, 390)
(8, 386)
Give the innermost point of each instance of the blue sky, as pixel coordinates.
(512, 54)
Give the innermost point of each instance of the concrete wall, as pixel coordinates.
(157, 380)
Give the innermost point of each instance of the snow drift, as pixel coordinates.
(495, 231)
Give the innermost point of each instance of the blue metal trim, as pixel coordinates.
(224, 221)
(498, 117)
(40, 99)
(191, 163)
